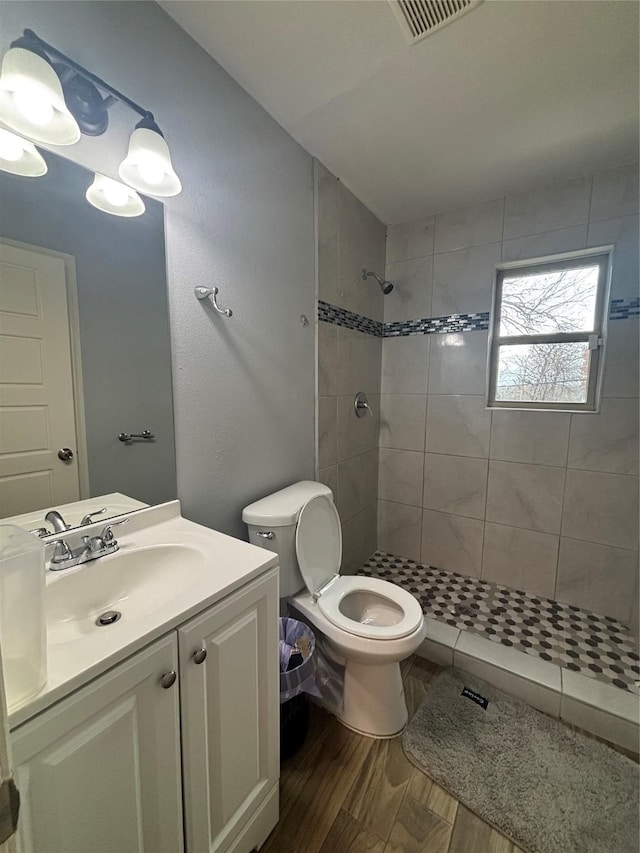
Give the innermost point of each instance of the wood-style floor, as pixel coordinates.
(344, 793)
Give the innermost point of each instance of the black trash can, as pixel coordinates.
(294, 725)
(297, 642)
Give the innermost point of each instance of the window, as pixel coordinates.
(547, 333)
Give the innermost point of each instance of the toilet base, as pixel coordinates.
(373, 699)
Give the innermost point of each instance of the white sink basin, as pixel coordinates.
(135, 583)
(167, 571)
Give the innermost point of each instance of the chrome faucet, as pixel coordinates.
(91, 548)
(56, 521)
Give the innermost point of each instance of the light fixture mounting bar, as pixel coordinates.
(29, 39)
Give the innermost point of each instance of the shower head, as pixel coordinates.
(385, 286)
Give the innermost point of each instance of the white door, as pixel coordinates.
(230, 721)
(100, 771)
(36, 384)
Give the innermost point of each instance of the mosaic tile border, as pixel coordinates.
(348, 319)
(438, 325)
(620, 309)
(596, 646)
(623, 309)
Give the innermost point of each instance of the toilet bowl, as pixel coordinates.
(365, 624)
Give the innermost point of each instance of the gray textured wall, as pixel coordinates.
(244, 387)
(124, 322)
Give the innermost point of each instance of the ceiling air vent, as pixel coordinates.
(420, 18)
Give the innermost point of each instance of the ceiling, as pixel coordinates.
(512, 95)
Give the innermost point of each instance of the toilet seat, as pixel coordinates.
(319, 553)
(330, 601)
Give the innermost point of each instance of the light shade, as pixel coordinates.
(113, 197)
(31, 99)
(20, 157)
(147, 167)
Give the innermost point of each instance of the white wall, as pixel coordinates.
(244, 387)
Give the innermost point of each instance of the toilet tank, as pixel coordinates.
(272, 525)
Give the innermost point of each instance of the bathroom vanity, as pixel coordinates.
(159, 731)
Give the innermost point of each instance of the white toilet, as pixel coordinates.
(365, 624)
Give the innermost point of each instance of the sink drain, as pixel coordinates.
(108, 617)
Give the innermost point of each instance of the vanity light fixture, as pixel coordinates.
(20, 157)
(50, 98)
(31, 98)
(147, 166)
(113, 197)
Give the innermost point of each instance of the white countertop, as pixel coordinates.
(231, 563)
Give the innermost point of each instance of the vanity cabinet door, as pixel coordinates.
(100, 771)
(230, 720)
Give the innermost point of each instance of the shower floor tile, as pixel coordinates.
(593, 645)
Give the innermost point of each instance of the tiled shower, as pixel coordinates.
(545, 502)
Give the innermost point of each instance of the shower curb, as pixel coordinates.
(599, 708)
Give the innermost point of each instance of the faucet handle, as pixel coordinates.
(107, 533)
(40, 532)
(88, 518)
(61, 552)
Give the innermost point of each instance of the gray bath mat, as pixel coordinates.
(549, 789)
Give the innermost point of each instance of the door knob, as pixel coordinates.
(65, 454)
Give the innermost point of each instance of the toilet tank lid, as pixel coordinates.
(283, 507)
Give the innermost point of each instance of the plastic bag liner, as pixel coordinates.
(302, 679)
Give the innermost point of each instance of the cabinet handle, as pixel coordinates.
(200, 655)
(168, 679)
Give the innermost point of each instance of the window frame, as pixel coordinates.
(596, 338)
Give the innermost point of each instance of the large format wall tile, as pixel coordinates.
(541, 245)
(452, 542)
(446, 265)
(523, 559)
(327, 359)
(329, 476)
(540, 438)
(608, 441)
(615, 193)
(359, 537)
(399, 529)
(412, 289)
(327, 225)
(622, 360)
(359, 361)
(352, 544)
(400, 476)
(469, 226)
(455, 484)
(357, 484)
(357, 435)
(362, 244)
(597, 577)
(601, 508)
(405, 364)
(547, 209)
(457, 363)
(525, 495)
(327, 431)
(410, 240)
(623, 235)
(402, 421)
(458, 425)
(463, 280)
